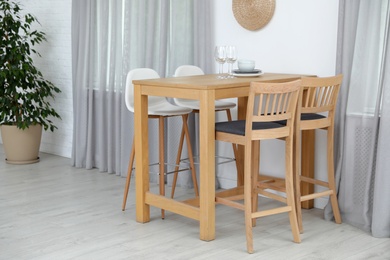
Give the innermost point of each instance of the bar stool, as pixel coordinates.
(267, 104)
(316, 111)
(191, 70)
(158, 108)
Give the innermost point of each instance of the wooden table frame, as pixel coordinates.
(206, 89)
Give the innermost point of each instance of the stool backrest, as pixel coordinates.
(319, 95)
(272, 102)
(188, 70)
(141, 73)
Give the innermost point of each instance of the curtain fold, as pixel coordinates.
(96, 60)
(362, 116)
(381, 197)
(111, 37)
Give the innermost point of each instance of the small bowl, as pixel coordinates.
(246, 65)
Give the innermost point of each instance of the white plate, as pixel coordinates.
(248, 74)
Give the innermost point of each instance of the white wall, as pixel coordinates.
(55, 17)
(300, 38)
(55, 64)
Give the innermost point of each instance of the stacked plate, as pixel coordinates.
(253, 73)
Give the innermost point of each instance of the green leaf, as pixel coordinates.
(24, 92)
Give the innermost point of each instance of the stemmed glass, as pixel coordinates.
(231, 57)
(220, 57)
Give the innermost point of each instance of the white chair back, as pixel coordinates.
(141, 73)
(188, 70)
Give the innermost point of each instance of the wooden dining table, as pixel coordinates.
(206, 89)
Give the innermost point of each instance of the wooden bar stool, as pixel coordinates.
(316, 111)
(267, 104)
(158, 108)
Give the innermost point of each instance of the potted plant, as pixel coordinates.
(24, 93)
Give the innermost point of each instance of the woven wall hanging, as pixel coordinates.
(253, 14)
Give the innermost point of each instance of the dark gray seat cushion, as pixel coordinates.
(307, 116)
(238, 127)
(311, 116)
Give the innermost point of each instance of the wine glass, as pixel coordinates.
(220, 57)
(231, 57)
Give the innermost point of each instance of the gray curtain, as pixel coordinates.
(111, 37)
(363, 117)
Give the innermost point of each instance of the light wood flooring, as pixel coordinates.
(51, 210)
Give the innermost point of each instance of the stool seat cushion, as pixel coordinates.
(238, 127)
(304, 117)
(311, 116)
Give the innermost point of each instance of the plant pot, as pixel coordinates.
(21, 146)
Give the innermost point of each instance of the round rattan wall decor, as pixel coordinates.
(253, 14)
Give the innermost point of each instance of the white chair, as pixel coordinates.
(158, 108)
(191, 70)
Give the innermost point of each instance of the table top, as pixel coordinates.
(210, 81)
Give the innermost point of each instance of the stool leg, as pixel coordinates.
(248, 197)
(185, 133)
(161, 160)
(128, 178)
(290, 190)
(190, 155)
(297, 176)
(255, 175)
(235, 148)
(178, 156)
(331, 180)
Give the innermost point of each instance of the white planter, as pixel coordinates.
(21, 146)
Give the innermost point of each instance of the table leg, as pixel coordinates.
(142, 154)
(307, 165)
(207, 165)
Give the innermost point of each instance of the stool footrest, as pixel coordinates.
(316, 195)
(314, 181)
(272, 195)
(269, 212)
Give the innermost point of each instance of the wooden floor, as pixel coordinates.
(51, 210)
